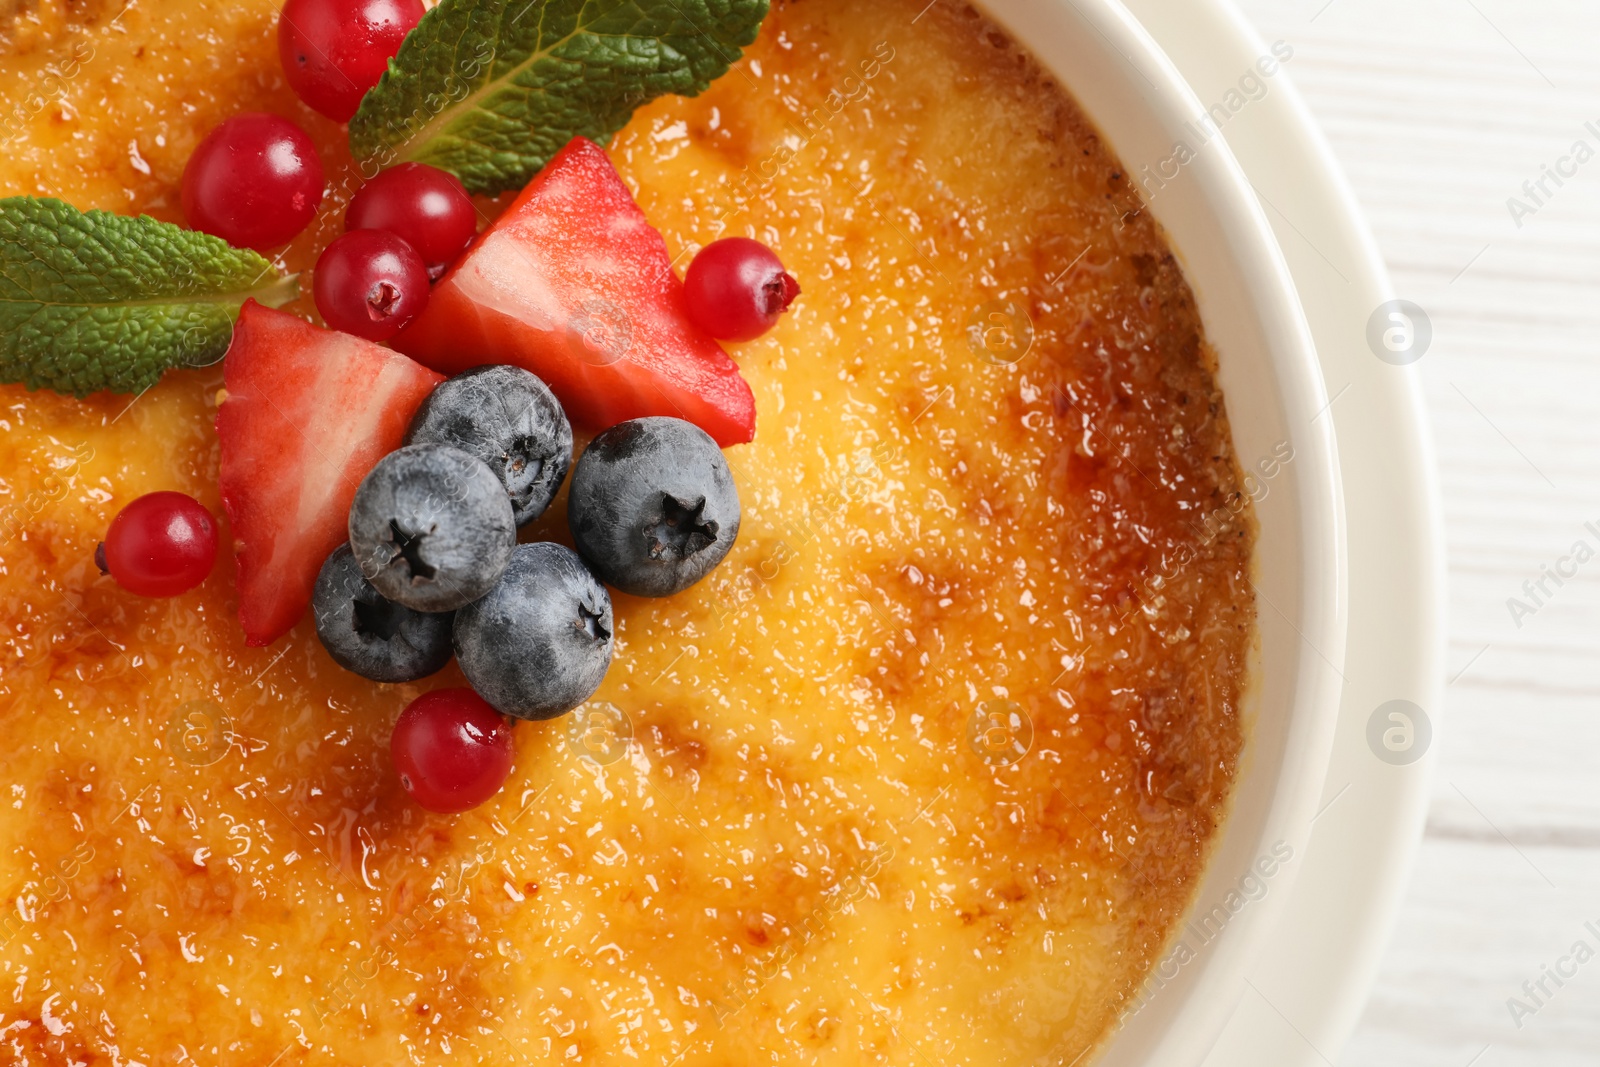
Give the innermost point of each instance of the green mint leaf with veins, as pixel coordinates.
(491, 89)
(90, 300)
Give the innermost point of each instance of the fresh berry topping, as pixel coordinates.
(368, 633)
(453, 751)
(333, 51)
(432, 527)
(424, 206)
(370, 283)
(308, 413)
(510, 420)
(653, 507)
(572, 283)
(161, 544)
(736, 289)
(255, 181)
(539, 643)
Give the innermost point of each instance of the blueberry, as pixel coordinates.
(653, 506)
(509, 419)
(431, 527)
(539, 643)
(368, 633)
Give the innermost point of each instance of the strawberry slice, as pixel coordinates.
(575, 285)
(308, 414)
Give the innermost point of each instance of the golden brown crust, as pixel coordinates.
(803, 857)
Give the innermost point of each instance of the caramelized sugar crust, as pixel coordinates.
(821, 845)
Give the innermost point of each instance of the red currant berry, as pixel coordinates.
(736, 289)
(255, 181)
(453, 750)
(333, 51)
(161, 544)
(369, 283)
(426, 207)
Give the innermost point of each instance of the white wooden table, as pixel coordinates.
(1440, 111)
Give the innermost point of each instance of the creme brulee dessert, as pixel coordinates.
(925, 770)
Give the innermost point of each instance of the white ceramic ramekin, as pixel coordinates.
(1276, 403)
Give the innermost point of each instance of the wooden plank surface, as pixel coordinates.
(1440, 111)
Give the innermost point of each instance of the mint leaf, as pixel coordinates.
(491, 89)
(90, 300)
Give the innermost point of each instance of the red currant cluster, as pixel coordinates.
(402, 229)
(256, 180)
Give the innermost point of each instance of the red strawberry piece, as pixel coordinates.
(573, 284)
(308, 414)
